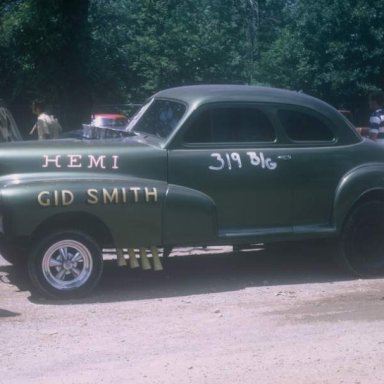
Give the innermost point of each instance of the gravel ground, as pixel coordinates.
(264, 316)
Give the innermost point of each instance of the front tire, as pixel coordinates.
(65, 265)
(362, 241)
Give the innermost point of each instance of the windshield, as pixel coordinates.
(157, 117)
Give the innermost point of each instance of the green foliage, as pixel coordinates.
(41, 55)
(157, 44)
(44, 47)
(333, 49)
(116, 51)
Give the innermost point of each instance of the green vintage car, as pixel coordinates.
(201, 165)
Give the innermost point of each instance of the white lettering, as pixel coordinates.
(55, 160)
(92, 196)
(97, 162)
(233, 160)
(260, 160)
(253, 158)
(236, 157)
(43, 199)
(229, 164)
(77, 161)
(221, 161)
(149, 194)
(74, 161)
(55, 198)
(110, 197)
(114, 163)
(270, 164)
(105, 196)
(135, 191)
(67, 197)
(124, 193)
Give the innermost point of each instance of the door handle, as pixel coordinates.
(284, 157)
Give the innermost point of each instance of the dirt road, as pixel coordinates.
(283, 316)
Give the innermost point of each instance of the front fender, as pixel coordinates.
(131, 208)
(356, 184)
(190, 217)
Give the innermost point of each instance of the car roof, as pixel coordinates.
(200, 94)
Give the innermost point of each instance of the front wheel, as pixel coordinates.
(65, 264)
(362, 241)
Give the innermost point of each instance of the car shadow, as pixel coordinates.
(6, 313)
(205, 272)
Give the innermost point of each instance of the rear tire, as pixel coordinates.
(362, 241)
(65, 264)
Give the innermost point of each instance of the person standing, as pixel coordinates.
(47, 126)
(376, 120)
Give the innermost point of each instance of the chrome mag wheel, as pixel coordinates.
(65, 264)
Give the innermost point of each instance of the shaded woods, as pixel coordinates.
(80, 53)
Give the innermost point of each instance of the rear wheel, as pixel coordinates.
(65, 264)
(362, 242)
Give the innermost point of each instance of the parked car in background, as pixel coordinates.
(203, 165)
(347, 114)
(363, 131)
(8, 127)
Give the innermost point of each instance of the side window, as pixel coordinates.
(301, 126)
(232, 124)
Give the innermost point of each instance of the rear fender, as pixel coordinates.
(363, 182)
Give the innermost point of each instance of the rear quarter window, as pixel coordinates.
(301, 126)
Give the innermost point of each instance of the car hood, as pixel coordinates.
(109, 157)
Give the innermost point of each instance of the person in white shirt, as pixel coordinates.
(47, 126)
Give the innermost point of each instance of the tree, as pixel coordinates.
(332, 49)
(41, 56)
(157, 44)
(115, 51)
